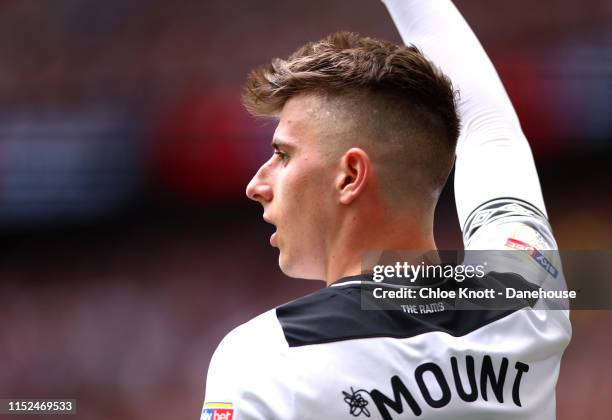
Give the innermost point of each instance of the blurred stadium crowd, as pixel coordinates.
(128, 247)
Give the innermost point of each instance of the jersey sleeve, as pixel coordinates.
(497, 189)
(494, 161)
(248, 377)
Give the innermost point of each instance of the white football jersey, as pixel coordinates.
(324, 357)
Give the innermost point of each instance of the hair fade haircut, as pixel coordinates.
(417, 100)
(344, 61)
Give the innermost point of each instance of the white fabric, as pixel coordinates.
(250, 370)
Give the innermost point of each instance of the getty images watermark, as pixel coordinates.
(412, 272)
(473, 280)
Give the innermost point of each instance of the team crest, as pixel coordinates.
(356, 402)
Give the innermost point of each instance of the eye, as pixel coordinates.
(284, 157)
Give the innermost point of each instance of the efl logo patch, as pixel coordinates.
(535, 254)
(217, 411)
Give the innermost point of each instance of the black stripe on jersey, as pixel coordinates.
(499, 208)
(335, 314)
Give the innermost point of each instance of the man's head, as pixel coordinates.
(367, 130)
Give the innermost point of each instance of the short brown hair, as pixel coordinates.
(408, 84)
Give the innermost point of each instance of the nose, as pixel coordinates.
(259, 189)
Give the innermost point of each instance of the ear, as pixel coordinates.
(355, 172)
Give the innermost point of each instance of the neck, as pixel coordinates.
(374, 232)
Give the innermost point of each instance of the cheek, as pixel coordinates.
(314, 202)
(310, 188)
(307, 214)
(304, 198)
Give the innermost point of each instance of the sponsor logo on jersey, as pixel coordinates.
(461, 379)
(536, 255)
(217, 411)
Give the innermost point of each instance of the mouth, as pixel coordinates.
(273, 241)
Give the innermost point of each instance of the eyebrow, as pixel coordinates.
(278, 144)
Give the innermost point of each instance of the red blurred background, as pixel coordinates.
(128, 246)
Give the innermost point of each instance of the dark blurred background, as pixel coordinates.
(128, 248)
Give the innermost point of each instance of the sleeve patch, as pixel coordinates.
(535, 255)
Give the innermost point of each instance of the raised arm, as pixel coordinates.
(494, 160)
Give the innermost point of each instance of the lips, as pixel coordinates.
(273, 241)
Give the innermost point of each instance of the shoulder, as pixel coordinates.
(261, 336)
(249, 370)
